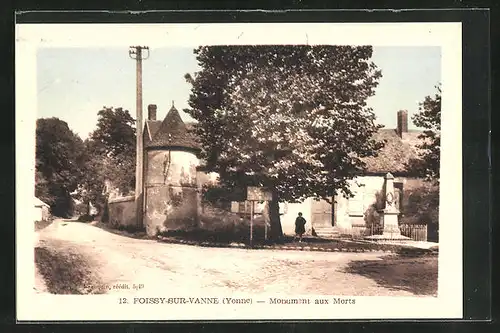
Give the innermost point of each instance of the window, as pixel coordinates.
(244, 207)
(241, 208)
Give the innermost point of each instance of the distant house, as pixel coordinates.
(42, 210)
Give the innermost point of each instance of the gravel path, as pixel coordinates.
(78, 258)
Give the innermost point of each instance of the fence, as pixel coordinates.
(417, 232)
(361, 230)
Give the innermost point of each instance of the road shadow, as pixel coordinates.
(417, 275)
(65, 271)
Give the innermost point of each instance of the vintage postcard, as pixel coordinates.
(238, 171)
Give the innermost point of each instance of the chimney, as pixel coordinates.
(402, 122)
(152, 112)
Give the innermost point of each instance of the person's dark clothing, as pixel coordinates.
(300, 223)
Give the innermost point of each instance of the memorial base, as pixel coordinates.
(390, 223)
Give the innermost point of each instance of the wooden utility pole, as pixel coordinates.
(135, 52)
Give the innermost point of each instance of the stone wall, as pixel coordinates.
(122, 212)
(171, 194)
(171, 167)
(231, 225)
(170, 208)
(218, 219)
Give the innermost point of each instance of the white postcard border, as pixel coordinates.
(31, 37)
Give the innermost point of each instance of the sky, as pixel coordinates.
(73, 84)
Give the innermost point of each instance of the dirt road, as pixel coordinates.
(79, 258)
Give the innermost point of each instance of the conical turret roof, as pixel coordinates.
(173, 133)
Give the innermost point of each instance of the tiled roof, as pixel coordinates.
(171, 132)
(396, 152)
(391, 158)
(39, 203)
(190, 126)
(150, 129)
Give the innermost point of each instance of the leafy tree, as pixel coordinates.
(92, 186)
(110, 152)
(429, 118)
(421, 205)
(59, 157)
(115, 133)
(290, 118)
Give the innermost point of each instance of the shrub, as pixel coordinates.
(372, 215)
(81, 209)
(421, 205)
(85, 218)
(221, 197)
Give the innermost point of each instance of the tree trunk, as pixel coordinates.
(104, 217)
(275, 232)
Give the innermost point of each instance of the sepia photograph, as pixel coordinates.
(238, 174)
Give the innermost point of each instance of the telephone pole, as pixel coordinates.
(135, 52)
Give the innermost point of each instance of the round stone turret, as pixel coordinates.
(171, 197)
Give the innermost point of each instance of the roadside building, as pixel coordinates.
(42, 210)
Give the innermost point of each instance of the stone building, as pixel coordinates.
(353, 215)
(42, 210)
(369, 189)
(172, 178)
(170, 188)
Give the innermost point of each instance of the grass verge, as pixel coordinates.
(221, 239)
(66, 271)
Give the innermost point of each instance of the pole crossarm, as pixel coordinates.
(135, 52)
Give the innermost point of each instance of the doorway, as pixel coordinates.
(323, 214)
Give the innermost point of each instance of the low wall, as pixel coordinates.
(217, 219)
(170, 208)
(231, 225)
(122, 212)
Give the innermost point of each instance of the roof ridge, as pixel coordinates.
(172, 132)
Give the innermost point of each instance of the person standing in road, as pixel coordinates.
(300, 229)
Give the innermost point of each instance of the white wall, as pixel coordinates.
(38, 213)
(366, 187)
(291, 211)
(345, 209)
(178, 162)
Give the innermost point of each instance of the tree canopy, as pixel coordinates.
(290, 118)
(59, 157)
(110, 156)
(429, 118)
